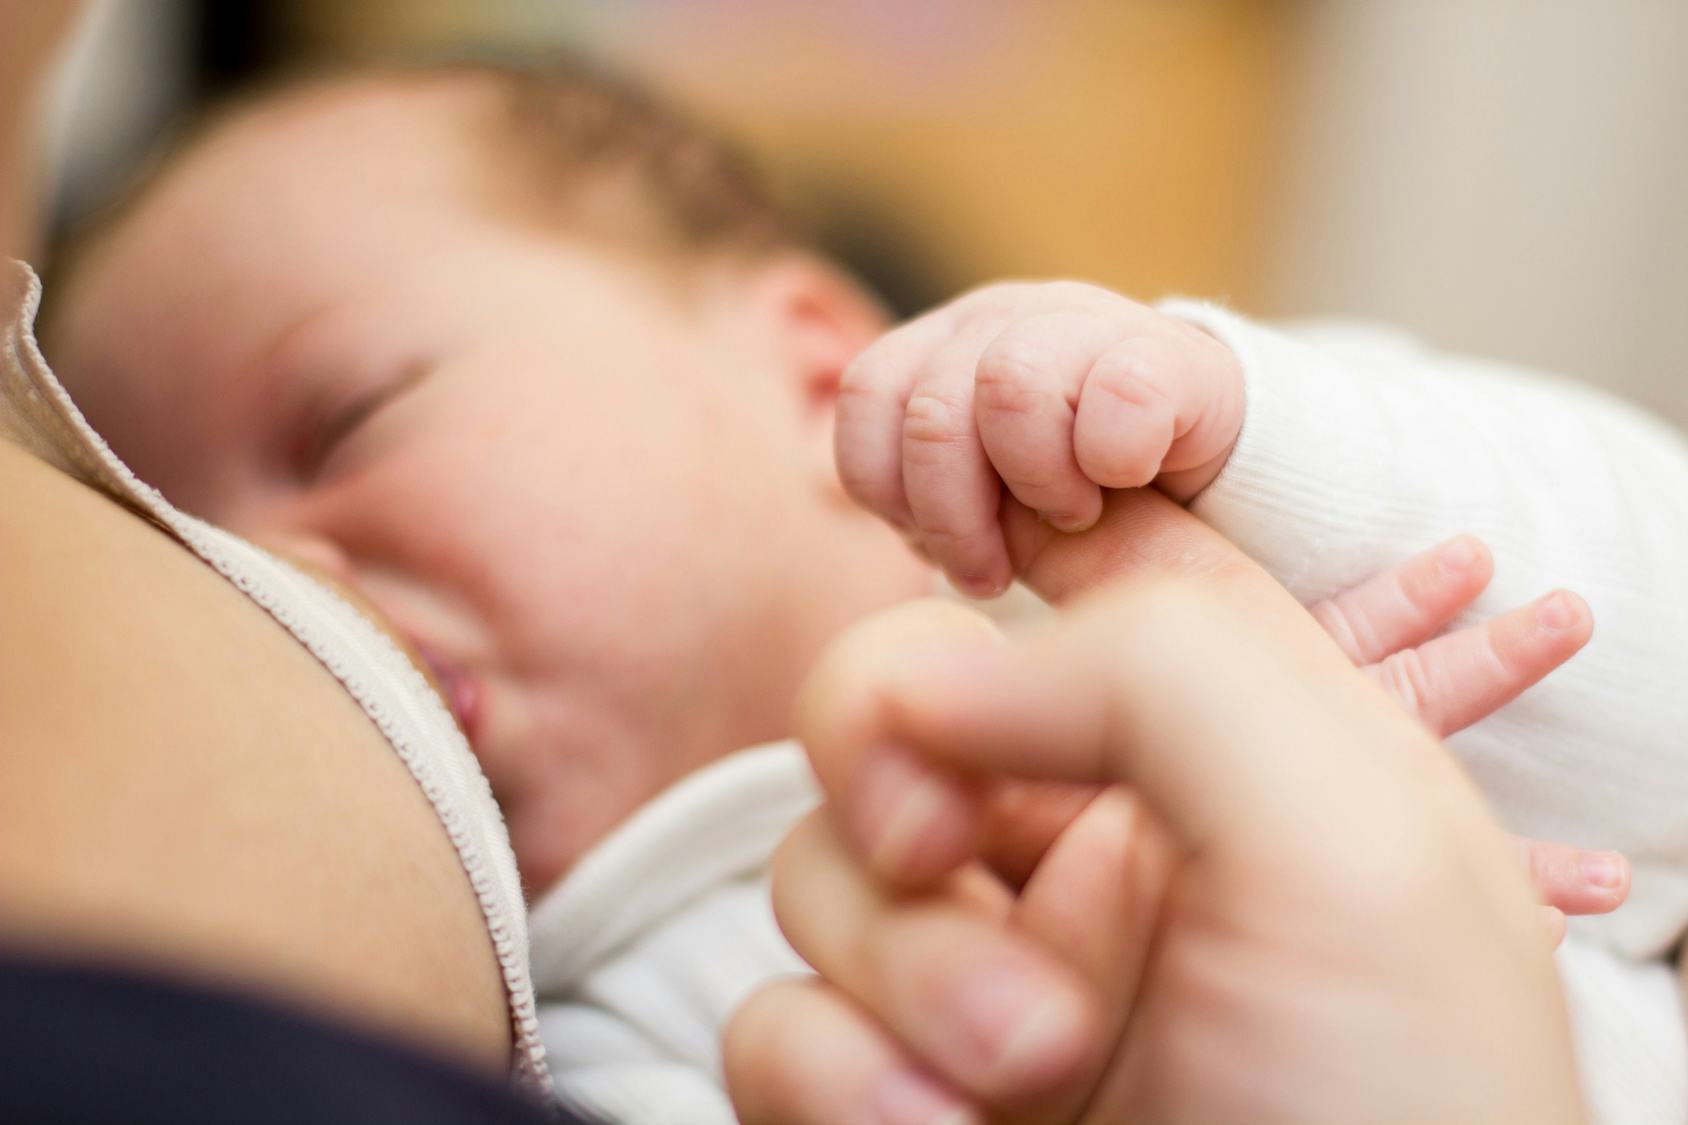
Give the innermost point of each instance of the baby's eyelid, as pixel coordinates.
(341, 422)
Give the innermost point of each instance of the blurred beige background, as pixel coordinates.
(1504, 177)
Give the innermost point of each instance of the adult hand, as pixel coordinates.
(1309, 917)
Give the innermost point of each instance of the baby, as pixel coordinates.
(534, 369)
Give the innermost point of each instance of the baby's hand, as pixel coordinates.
(1056, 390)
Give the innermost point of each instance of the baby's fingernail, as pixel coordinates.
(900, 807)
(1066, 523)
(980, 585)
(1461, 555)
(907, 1097)
(1029, 1029)
(1556, 612)
(1605, 869)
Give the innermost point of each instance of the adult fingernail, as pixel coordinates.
(1028, 1028)
(907, 1097)
(1605, 869)
(900, 805)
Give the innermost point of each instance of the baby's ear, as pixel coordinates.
(818, 318)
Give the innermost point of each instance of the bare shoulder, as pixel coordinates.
(183, 785)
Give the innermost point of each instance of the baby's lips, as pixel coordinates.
(460, 690)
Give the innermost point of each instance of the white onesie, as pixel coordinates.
(1359, 449)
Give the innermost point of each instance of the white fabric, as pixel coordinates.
(1361, 448)
(659, 933)
(36, 412)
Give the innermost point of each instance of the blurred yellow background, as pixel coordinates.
(945, 144)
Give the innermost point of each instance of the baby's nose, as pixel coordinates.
(312, 552)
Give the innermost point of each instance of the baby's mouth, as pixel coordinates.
(454, 684)
(457, 686)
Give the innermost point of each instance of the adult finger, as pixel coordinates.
(1095, 901)
(1131, 687)
(984, 1006)
(1409, 604)
(799, 1053)
(1453, 681)
(914, 822)
(1141, 533)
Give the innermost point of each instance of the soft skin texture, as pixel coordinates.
(317, 332)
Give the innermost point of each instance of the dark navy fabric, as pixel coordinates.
(81, 1045)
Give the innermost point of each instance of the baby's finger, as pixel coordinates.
(799, 1053)
(1408, 605)
(983, 1006)
(1453, 681)
(953, 492)
(1573, 880)
(1154, 405)
(1027, 382)
(872, 399)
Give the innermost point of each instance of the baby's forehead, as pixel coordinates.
(369, 132)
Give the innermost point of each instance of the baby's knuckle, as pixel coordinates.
(1011, 375)
(1407, 678)
(863, 377)
(1131, 373)
(936, 418)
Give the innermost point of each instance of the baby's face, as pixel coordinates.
(603, 508)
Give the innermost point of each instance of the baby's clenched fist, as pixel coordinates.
(1040, 394)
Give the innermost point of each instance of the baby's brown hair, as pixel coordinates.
(602, 158)
(568, 149)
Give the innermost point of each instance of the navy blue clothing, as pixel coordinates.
(81, 1045)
